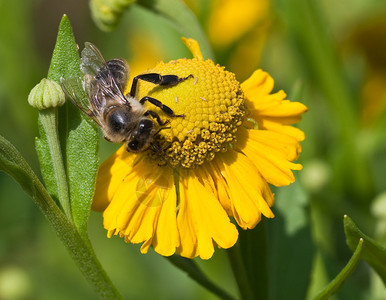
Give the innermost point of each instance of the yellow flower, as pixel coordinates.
(218, 162)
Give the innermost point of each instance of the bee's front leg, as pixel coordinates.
(166, 109)
(154, 115)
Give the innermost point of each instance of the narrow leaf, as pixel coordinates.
(254, 253)
(373, 253)
(82, 166)
(339, 280)
(290, 245)
(79, 137)
(63, 64)
(65, 59)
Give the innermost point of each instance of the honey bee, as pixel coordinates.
(100, 95)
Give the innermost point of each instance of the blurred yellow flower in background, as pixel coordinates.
(365, 38)
(234, 140)
(237, 29)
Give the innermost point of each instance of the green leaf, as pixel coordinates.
(65, 59)
(78, 136)
(254, 253)
(82, 166)
(64, 63)
(290, 245)
(339, 280)
(373, 253)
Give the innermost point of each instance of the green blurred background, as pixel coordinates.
(330, 55)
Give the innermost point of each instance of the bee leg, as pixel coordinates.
(155, 116)
(167, 80)
(166, 109)
(158, 149)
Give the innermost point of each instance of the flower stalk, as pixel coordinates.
(240, 273)
(48, 119)
(14, 164)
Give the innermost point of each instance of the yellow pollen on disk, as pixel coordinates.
(212, 103)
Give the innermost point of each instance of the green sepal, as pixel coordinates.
(339, 280)
(373, 253)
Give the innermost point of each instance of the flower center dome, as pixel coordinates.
(212, 103)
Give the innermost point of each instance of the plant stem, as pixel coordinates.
(80, 250)
(49, 121)
(194, 272)
(240, 273)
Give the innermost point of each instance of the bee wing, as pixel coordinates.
(92, 59)
(94, 66)
(78, 95)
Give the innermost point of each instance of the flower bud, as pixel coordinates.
(47, 93)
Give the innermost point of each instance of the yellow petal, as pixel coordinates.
(276, 125)
(212, 179)
(193, 47)
(249, 193)
(202, 222)
(166, 238)
(110, 175)
(264, 105)
(143, 209)
(269, 152)
(258, 84)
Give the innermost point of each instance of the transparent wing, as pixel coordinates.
(102, 80)
(91, 59)
(75, 91)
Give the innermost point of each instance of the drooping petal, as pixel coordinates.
(250, 195)
(271, 153)
(212, 179)
(202, 222)
(110, 175)
(166, 238)
(143, 209)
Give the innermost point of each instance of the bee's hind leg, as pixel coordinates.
(166, 80)
(166, 109)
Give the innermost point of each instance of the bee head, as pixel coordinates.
(117, 125)
(142, 136)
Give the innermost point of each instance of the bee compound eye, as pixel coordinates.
(118, 119)
(145, 126)
(133, 146)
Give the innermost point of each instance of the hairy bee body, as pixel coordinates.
(99, 94)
